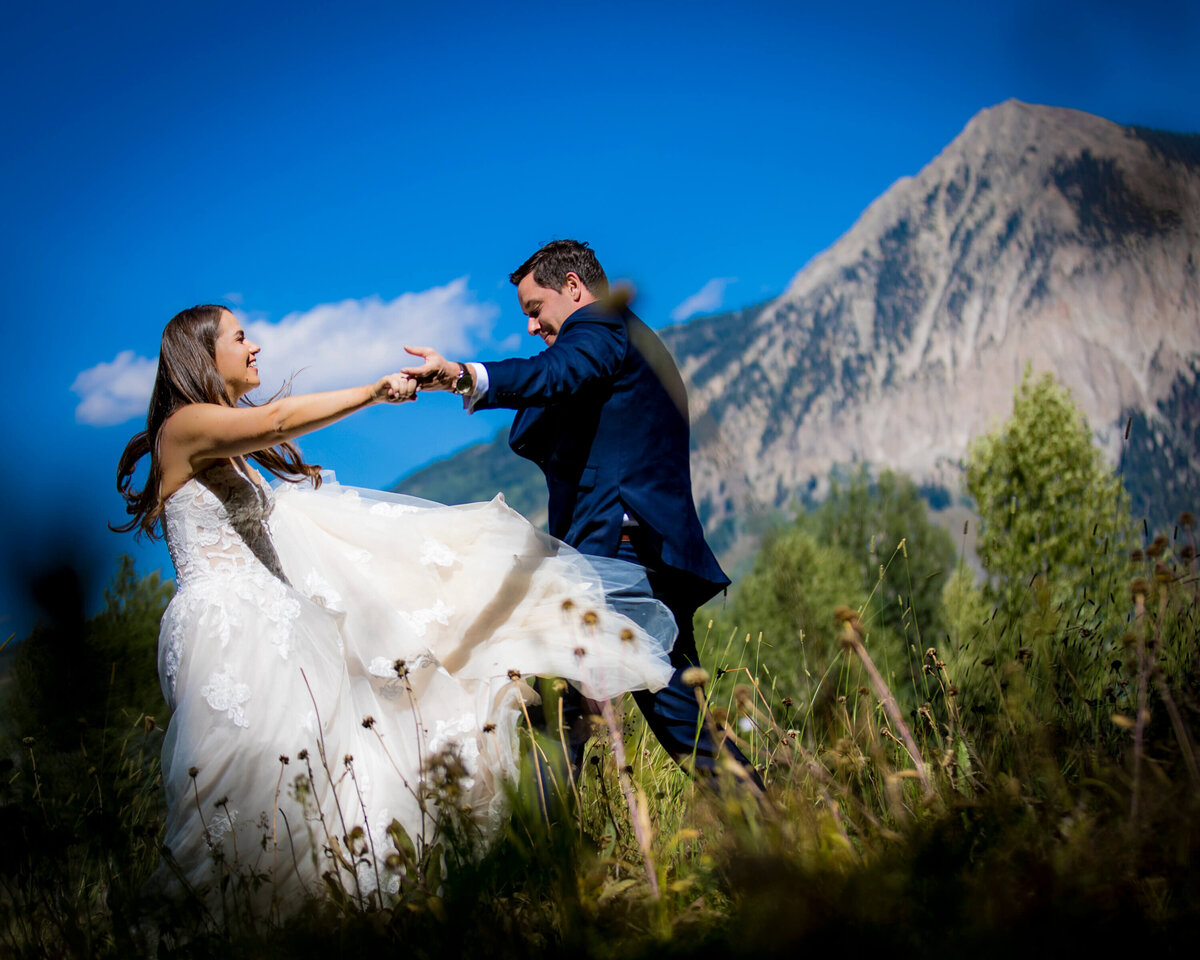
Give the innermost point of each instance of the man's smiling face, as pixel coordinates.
(547, 309)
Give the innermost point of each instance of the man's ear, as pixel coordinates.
(573, 287)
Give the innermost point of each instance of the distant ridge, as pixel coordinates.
(1040, 235)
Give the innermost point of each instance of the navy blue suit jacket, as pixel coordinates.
(603, 412)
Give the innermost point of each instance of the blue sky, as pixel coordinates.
(337, 174)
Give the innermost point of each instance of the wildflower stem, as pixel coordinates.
(637, 814)
(882, 692)
(1141, 711)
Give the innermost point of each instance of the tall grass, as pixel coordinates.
(1041, 797)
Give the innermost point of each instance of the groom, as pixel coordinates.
(603, 411)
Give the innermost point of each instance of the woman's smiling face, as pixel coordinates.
(235, 357)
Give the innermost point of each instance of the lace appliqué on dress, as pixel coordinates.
(383, 509)
(462, 734)
(420, 620)
(320, 591)
(225, 694)
(436, 553)
(220, 543)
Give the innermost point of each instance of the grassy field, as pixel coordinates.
(1037, 798)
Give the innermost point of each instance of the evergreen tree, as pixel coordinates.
(789, 598)
(870, 521)
(1049, 505)
(1054, 540)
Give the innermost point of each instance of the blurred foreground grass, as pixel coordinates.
(989, 799)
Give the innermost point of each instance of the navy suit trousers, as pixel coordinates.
(672, 713)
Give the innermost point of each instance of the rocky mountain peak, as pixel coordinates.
(1039, 235)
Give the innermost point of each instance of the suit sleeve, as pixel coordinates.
(586, 352)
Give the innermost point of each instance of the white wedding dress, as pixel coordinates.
(332, 656)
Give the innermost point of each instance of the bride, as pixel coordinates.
(345, 668)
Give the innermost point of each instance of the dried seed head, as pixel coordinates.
(931, 653)
(627, 635)
(743, 694)
(1158, 546)
(1137, 556)
(694, 677)
(401, 669)
(1187, 553)
(590, 618)
(148, 723)
(1162, 573)
(952, 691)
(514, 674)
(192, 771)
(568, 605)
(580, 653)
(788, 702)
(368, 722)
(1187, 520)
(303, 754)
(284, 759)
(720, 716)
(844, 614)
(348, 759)
(221, 802)
(489, 728)
(1138, 588)
(28, 741)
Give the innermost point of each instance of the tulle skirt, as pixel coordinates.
(322, 727)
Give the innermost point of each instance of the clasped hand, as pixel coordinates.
(396, 388)
(436, 373)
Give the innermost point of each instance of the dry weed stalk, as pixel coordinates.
(851, 639)
(638, 815)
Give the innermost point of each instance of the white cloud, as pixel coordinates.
(705, 300)
(114, 392)
(330, 345)
(354, 341)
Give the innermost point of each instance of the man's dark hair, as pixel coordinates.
(551, 264)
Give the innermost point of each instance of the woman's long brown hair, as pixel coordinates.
(187, 373)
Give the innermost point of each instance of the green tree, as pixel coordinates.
(963, 604)
(1054, 541)
(902, 557)
(789, 598)
(1049, 505)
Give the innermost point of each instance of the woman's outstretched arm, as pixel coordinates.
(199, 433)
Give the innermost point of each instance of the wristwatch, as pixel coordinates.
(465, 382)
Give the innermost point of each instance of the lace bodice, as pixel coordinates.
(217, 526)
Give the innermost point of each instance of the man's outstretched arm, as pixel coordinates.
(586, 351)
